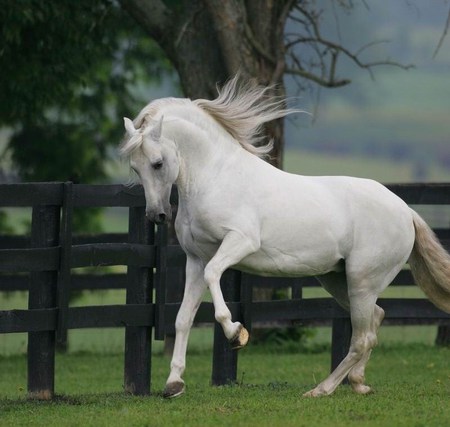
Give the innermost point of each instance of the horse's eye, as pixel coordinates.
(157, 165)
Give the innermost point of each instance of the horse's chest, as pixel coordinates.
(196, 240)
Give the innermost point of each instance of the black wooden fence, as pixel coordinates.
(154, 275)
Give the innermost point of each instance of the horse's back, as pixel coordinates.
(314, 223)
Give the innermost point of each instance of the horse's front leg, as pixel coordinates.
(193, 292)
(235, 246)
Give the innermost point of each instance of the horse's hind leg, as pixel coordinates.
(336, 285)
(366, 279)
(356, 376)
(363, 340)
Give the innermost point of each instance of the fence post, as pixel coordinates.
(340, 341)
(161, 280)
(246, 301)
(137, 369)
(64, 283)
(224, 370)
(42, 294)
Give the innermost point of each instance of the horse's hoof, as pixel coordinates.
(315, 392)
(362, 389)
(240, 340)
(173, 390)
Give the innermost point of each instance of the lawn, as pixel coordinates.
(411, 383)
(409, 375)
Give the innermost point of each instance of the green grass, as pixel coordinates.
(411, 386)
(410, 377)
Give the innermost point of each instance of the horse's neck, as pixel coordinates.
(201, 154)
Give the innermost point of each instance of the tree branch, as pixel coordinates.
(309, 20)
(277, 75)
(152, 15)
(308, 75)
(444, 34)
(257, 46)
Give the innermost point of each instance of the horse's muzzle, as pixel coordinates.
(159, 217)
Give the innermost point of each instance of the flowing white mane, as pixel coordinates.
(240, 109)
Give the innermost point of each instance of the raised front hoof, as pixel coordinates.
(172, 390)
(240, 340)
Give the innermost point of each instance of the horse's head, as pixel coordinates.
(156, 162)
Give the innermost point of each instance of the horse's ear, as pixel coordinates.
(157, 130)
(129, 126)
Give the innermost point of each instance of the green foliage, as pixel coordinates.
(71, 56)
(68, 70)
(69, 154)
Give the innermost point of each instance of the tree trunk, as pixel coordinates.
(209, 41)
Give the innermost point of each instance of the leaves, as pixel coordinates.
(68, 71)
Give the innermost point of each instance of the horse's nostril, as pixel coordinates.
(161, 217)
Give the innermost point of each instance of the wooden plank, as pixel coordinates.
(306, 309)
(108, 316)
(37, 320)
(104, 254)
(84, 239)
(410, 308)
(14, 282)
(14, 241)
(20, 242)
(98, 281)
(423, 194)
(398, 311)
(33, 259)
(111, 316)
(276, 282)
(88, 195)
(31, 194)
(21, 282)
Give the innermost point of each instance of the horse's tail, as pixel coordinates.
(430, 265)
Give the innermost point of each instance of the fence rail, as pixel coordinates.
(42, 264)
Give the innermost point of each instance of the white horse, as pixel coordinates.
(236, 210)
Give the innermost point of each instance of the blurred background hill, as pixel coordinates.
(394, 126)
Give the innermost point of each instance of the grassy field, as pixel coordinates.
(411, 388)
(410, 377)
